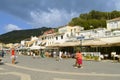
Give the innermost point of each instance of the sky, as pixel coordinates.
(29, 14)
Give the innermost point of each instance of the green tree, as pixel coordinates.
(94, 18)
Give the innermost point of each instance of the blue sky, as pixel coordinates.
(28, 14)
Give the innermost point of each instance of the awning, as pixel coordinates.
(23, 48)
(83, 43)
(29, 43)
(66, 44)
(94, 42)
(70, 44)
(43, 43)
(111, 40)
(36, 47)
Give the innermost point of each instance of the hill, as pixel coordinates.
(18, 35)
(94, 18)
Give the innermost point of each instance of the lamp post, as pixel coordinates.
(81, 37)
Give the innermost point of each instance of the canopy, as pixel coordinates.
(106, 41)
(93, 42)
(65, 44)
(111, 40)
(36, 47)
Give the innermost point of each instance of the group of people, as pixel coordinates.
(13, 56)
(78, 58)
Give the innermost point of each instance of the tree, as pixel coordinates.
(94, 18)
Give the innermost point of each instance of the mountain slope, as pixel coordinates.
(18, 35)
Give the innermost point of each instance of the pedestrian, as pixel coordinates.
(65, 54)
(3, 54)
(60, 55)
(78, 62)
(13, 55)
(34, 55)
(42, 54)
(54, 54)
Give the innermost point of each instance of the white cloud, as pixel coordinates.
(11, 27)
(54, 13)
(52, 18)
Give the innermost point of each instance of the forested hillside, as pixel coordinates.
(94, 18)
(18, 35)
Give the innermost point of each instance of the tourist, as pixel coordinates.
(65, 54)
(34, 55)
(60, 55)
(13, 55)
(54, 54)
(3, 53)
(78, 62)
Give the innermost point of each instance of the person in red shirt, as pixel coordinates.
(78, 57)
(13, 55)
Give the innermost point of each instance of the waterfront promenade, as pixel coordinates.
(27, 68)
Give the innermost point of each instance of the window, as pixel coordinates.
(61, 37)
(56, 38)
(75, 30)
(42, 38)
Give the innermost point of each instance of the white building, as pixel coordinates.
(93, 33)
(113, 24)
(29, 42)
(64, 34)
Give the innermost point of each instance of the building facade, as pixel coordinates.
(113, 24)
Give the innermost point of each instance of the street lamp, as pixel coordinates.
(81, 37)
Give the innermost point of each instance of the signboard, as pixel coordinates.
(81, 37)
